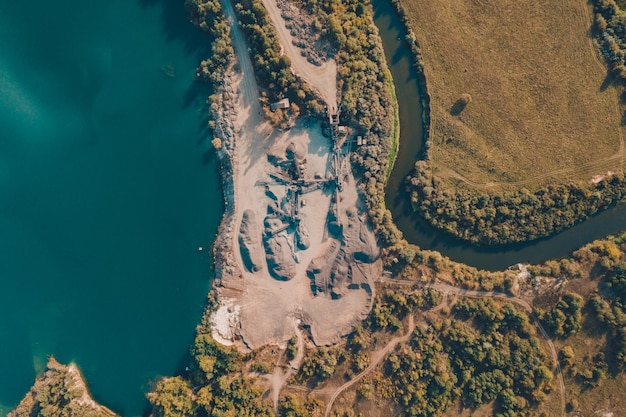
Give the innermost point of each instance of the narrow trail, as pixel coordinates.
(613, 162)
(250, 91)
(278, 379)
(378, 356)
(447, 290)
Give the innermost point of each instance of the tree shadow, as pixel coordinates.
(197, 93)
(607, 82)
(458, 107)
(177, 26)
(209, 157)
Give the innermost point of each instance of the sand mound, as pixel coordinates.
(280, 261)
(360, 239)
(295, 151)
(302, 237)
(250, 242)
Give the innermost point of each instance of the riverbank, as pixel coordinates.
(429, 193)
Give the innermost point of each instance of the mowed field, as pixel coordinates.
(541, 107)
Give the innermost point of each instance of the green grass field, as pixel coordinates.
(540, 105)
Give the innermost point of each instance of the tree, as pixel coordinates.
(172, 397)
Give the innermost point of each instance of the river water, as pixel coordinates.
(108, 186)
(414, 228)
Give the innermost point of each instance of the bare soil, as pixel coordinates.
(256, 307)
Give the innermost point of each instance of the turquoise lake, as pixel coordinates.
(108, 187)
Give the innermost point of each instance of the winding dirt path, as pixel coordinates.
(446, 290)
(278, 379)
(377, 357)
(251, 89)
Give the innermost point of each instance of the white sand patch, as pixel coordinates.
(524, 273)
(224, 321)
(597, 178)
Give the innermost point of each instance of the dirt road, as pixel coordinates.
(322, 78)
(447, 290)
(377, 357)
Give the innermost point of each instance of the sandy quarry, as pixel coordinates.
(307, 272)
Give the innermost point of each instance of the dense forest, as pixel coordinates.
(609, 307)
(484, 352)
(506, 217)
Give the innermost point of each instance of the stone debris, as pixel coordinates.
(224, 321)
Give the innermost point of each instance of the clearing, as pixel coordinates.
(301, 252)
(540, 104)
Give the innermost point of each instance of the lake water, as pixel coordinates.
(108, 186)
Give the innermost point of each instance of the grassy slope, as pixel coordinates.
(537, 99)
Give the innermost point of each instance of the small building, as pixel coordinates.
(282, 104)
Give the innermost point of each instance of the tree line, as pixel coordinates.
(208, 16)
(509, 216)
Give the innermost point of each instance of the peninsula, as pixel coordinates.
(295, 247)
(320, 307)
